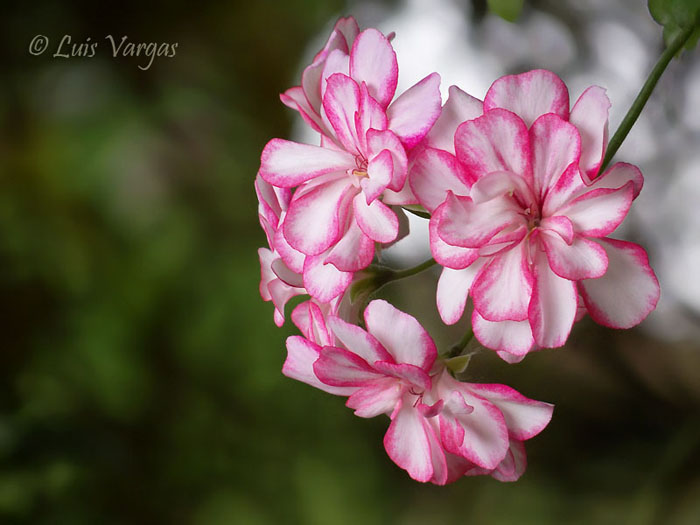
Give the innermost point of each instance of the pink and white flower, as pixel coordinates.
(523, 225)
(278, 282)
(440, 429)
(345, 188)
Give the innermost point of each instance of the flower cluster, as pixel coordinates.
(519, 222)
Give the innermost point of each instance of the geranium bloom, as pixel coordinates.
(523, 228)
(278, 282)
(440, 428)
(345, 186)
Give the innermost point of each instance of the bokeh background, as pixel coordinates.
(139, 369)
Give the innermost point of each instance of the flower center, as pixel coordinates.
(361, 164)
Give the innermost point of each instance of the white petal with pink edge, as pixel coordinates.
(496, 141)
(378, 141)
(555, 145)
(339, 367)
(455, 257)
(512, 337)
(358, 341)
(373, 60)
(376, 220)
(414, 112)
(453, 290)
(341, 102)
(408, 444)
(400, 334)
(582, 259)
(590, 116)
(525, 417)
(433, 173)
(529, 95)
(323, 281)
(377, 397)
(459, 108)
(628, 291)
(301, 355)
(502, 290)
(313, 221)
(599, 212)
(553, 306)
(287, 164)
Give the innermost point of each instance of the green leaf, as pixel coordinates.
(507, 9)
(675, 16)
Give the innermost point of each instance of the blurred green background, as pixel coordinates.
(139, 369)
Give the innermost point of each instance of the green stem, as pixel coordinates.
(643, 96)
(400, 274)
(459, 347)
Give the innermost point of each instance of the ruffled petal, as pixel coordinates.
(377, 397)
(341, 102)
(555, 145)
(628, 291)
(359, 342)
(287, 164)
(529, 95)
(459, 108)
(512, 337)
(339, 367)
(496, 141)
(453, 289)
(353, 252)
(408, 444)
(400, 334)
(414, 112)
(590, 116)
(553, 306)
(582, 259)
(433, 173)
(373, 61)
(503, 289)
(376, 220)
(324, 281)
(455, 257)
(313, 221)
(599, 212)
(525, 417)
(301, 355)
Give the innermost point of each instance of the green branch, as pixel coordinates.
(641, 100)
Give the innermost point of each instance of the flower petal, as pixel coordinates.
(295, 98)
(496, 141)
(501, 292)
(353, 252)
(313, 221)
(464, 223)
(339, 367)
(582, 259)
(553, 306)
(414, 112)
(408, 444)
(376, 220)
(373, 61)
(512, 337)
(555, 145)
(453, 290)
(377, 397)
(324, 282)
(285, 163)
(628, 291)
(459, 108)
(341, 102)
(309, 319)
(301, 355)
(433, 173)
(378, 141)
(590, 116)
(380, 171)
(357, 341)
(529, 95)
(525, 417)
(479, 423)
(402, 336)
(455, 257)
(598, 212)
